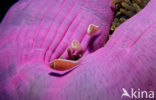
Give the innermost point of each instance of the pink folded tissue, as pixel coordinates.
(34, 33)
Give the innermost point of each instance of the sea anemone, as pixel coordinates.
(35, 33)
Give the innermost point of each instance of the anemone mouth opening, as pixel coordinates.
(125, 9)
(74, 57)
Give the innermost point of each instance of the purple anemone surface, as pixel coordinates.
(35, 32)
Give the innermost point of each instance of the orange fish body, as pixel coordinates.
(62, 64)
